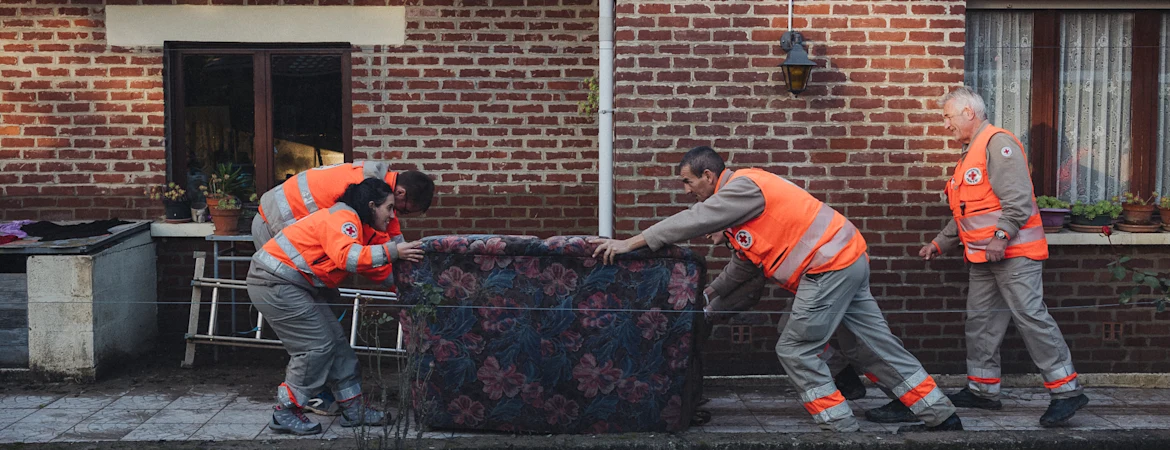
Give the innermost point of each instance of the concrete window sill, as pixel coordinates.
(1071, 238)
(181, 230)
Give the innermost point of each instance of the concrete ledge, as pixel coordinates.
(188, 230)
(1114, 380)
(1069, 237)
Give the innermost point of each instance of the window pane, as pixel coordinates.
(218, 115)
(306, 113)
(999, 67)
(1093, 123)
(1163, 184)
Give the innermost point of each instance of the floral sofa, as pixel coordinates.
(519, 334)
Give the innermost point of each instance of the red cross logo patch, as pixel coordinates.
(973, 176)
(350, 230)
(1006, 152)
(743, 238)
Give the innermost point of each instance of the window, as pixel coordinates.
(1084, 90)
(227, 102)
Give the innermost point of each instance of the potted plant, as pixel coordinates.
(226, 215)
(1095, 214)
(1052, 212)
(1137, 210)
(175, 202)
(227, 180)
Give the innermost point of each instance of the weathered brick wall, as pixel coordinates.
(483, 95)
(867, 138)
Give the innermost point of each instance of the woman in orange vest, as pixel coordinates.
(289, 281)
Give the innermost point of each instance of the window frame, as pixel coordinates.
(1046, 71)
(173, 99)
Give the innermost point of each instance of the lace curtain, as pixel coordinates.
(1163, 184)
(1093, 121)
(999, 67)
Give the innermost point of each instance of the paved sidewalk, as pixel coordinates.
(217, 413)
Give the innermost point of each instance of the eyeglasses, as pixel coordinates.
(727, 240)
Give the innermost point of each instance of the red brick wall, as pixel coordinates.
(483, 95)
(866, 137)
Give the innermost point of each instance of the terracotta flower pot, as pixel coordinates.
(227, 221)
(1165, 215)
(1137, 214)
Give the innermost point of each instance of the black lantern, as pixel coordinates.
(797, 67)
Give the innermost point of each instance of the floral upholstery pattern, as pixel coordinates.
(534, 335)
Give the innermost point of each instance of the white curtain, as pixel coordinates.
(999, 67)
(1164, 110)
(1093, 121)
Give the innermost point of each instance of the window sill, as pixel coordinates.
(181, 230)
(1073, 238)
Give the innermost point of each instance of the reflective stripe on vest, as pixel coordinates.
(918, 392)
(825, 403)
(276, 267)
(808, 241)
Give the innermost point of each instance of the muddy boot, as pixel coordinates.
(967, 399)
(892, 412)
(1060, 410)
(290, 419)
(951, 424)
(849, 383)
(356, 412)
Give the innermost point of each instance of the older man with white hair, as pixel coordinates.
(998, 224)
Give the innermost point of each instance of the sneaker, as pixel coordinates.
(356, 412)
(323, 405)
(892, 412)
(849, 383)
(967, 399)
(290, 419)
(951, 424)
(1060, 410)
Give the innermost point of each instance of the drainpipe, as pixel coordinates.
(605, 120)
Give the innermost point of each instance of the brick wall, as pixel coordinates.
(483, 95)
(866, 137)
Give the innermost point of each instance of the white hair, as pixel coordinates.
(965, 96)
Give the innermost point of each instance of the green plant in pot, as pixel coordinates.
(175, 202)
(226, 215)
(1137, 210)
(1096, 214)
(1052, 212)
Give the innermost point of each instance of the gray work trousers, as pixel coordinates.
(260, 232)
(1006, 290)
(301, 318)
(842, 297)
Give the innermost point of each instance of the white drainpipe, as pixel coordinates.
(605, 120)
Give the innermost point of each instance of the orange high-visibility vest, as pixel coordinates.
(319, 188)
(327, 246)
(796, 233)
(977, 209)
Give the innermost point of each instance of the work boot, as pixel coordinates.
(1062, 409)
(967, 399)
(290, 419)
(951, 424)
(849, 383)
(892, 412)
(356, 412)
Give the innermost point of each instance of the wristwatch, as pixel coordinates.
(999, 234)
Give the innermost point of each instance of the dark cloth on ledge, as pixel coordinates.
(49, 231)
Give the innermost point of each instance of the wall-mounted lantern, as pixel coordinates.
(797, 67)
